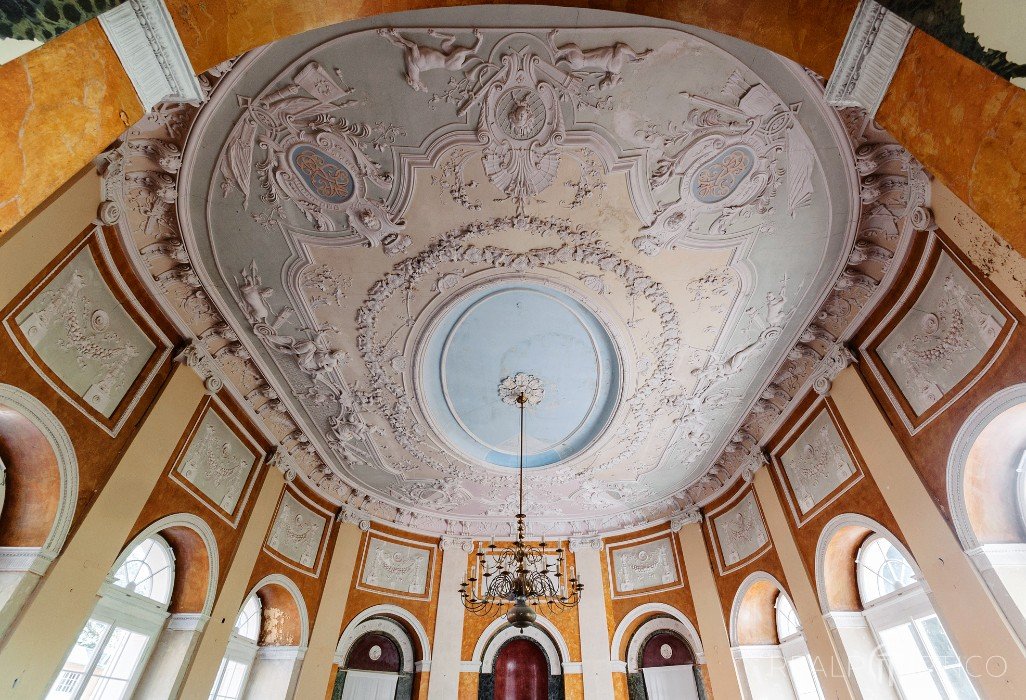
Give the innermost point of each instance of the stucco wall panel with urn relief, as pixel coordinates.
(993, 312)
(62, 230)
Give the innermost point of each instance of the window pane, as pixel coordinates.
(954, 675)
(882, 569)
(77, 664)
(248, 623)
(230, 681)
(908, 665)
(147, 571)
(803, 678)
(116, 666)
(787, 618)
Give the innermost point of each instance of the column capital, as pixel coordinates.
(194, 355)
(281, 460)
(353, 516)
(449, 543)
(583, 543)
(688, 517)
(835, 361)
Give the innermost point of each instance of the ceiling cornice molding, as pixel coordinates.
(870, 56)
(151, 52)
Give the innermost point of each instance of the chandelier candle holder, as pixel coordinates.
(516, 579)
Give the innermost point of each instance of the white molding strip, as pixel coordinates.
(870, 55)
(145, 39)
(187, 622)
(24, 559)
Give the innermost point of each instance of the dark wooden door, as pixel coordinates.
(521, 672)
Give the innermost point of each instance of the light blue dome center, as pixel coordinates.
(498, 332)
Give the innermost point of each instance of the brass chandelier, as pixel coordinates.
(522, 575)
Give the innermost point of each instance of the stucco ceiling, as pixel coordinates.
(395, 218)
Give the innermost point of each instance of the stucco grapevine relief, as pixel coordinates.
(296, 532)
(817, 462)
(217, 462)
(942, 337)
(396, 566)
(350, 385)
(741, 530)
(81, 331)
(645, 565)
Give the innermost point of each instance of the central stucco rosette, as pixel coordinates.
(395, 221)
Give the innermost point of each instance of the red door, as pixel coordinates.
(521, 672)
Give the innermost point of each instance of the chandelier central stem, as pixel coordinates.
(522, 401)
(522, 575)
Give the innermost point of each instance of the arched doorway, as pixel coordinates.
(372, 668)
(376, 657)
(521, 671)
(667, 665)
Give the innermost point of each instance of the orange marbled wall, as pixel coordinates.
(62, 105)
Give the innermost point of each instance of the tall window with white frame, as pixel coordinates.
(242, 649)
(919, 654)
(113, 647)
(795, 651)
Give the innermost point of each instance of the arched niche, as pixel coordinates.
(276, 655)
(752, 617)
(654, 674)
(364, 656)
(839, 545)
(197, 568)
(771, 656)
(280, 593)
(38, 495)
(986, 480)
(858, 647)
(196, 560)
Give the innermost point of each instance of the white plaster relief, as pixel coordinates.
(297, 531)
(817, 462)
(647, 565)
(396, 566)
(741, 531)
(891, 196)
(942, 338)
(217, 462)
(81, 331)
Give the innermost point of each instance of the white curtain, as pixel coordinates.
(671, 683)
(367, 685)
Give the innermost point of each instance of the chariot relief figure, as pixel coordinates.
(609, 61)
(420, 58)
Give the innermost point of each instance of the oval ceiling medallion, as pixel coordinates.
(325, 176)
(717, 179)
(497, 335)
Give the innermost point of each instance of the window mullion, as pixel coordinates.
(87, 672)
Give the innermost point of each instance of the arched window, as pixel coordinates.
(112, 648)
(919, 654)
(148, 571)
(882, 569)
(787, 618)
(986, 482)
(242, 649)
(769, 647)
